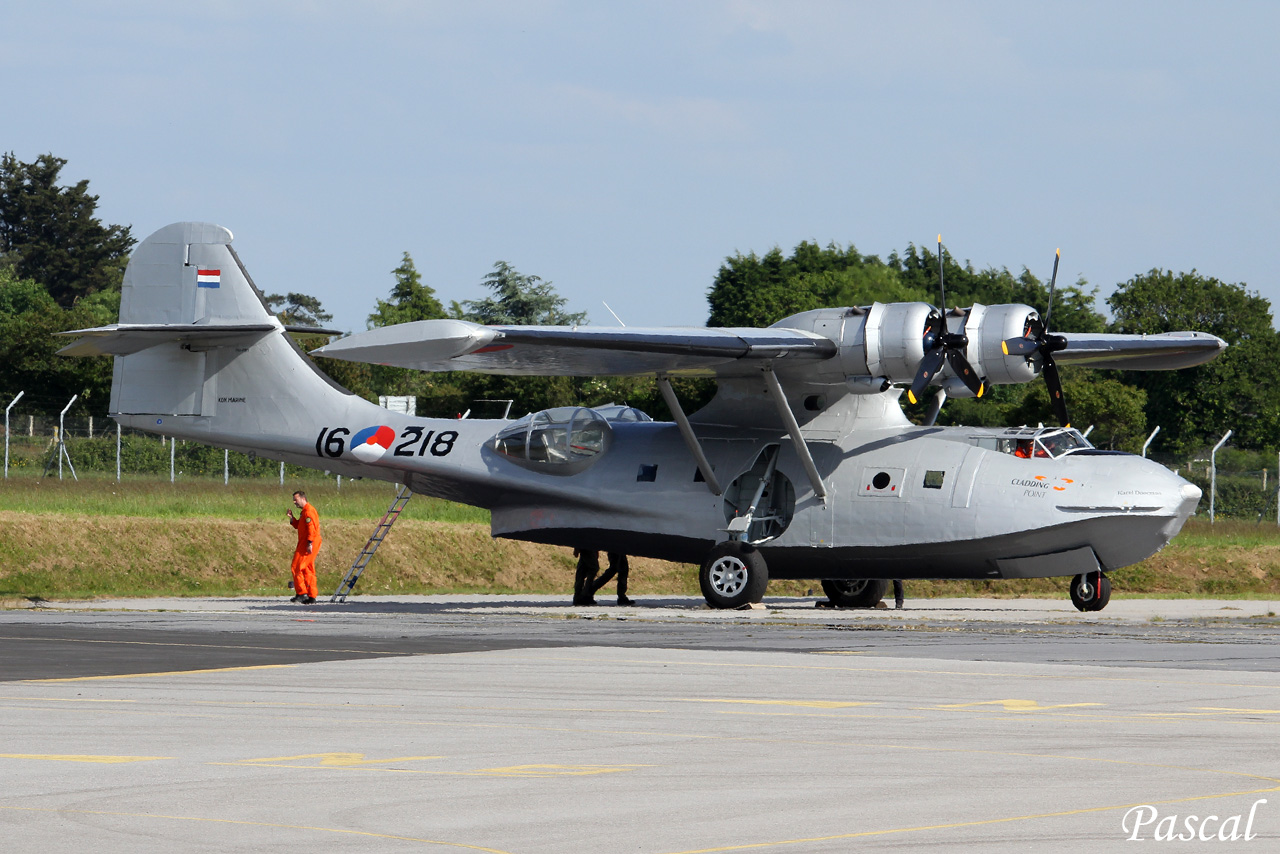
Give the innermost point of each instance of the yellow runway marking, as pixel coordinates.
(838, 652)
(1016, 705)
(560, 709)
(356, 761)
(164, 673)
(553, 770)
(979, 823)
(886, 716)
(813, 704)
(70, 757)
(237, 822)
(254, 704)
(1241, 711)
(331, 760)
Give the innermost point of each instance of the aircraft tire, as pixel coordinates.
(855, 592)
(1090, 592)
(733, 575)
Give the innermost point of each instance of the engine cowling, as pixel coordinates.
(886, 342)
(988, 326)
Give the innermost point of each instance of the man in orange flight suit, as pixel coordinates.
(304, 556)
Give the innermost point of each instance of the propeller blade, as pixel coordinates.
(1019, 346)
(942, 287)
(960, 365)
(928, 368)
(1057, 256)
(1054, 382)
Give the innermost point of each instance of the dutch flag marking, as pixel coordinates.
(208, 278)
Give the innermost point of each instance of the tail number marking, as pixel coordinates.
(330, 442)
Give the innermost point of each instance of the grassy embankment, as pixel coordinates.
(65, 539)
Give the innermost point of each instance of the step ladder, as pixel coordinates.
(403, 494)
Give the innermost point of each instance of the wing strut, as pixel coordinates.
(690, 438)
(793, 429)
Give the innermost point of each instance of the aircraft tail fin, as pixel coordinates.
(198, 354)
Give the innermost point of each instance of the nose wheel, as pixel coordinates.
(1090, 591)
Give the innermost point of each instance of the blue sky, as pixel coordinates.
(623, 150)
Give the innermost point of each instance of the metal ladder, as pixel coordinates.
(403, 494)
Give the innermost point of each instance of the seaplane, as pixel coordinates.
(802, 466)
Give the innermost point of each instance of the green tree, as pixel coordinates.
(410, 299)
(298, 309)
(29, 321)
(757, 290)
(1237, 390)
(518, 300)
(50, 234)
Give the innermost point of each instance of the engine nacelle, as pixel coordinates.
(988, 326)
(886, 343)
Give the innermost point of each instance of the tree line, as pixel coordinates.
(61, 268)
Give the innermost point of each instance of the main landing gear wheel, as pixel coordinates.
(856, 593)
(1090, 591)
(733, 575)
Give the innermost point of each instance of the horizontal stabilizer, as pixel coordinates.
(1166, 351)
(123, 339)
(458, 345)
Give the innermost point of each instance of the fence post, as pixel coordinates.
(173, 444)
(1213, 473)
(226, 466)
(62, 439)
(282, 472)
(117, 452)
(1148, 442)
(6, 432)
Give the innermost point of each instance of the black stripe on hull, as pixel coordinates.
(1117, 541)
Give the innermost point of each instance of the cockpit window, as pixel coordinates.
(564, 440)
(1060, 443)
(616, 412)
(1037, 443)
(561, 436)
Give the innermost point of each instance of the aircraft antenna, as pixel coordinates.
(614, 313)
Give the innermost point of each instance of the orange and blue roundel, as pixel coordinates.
(372, 442)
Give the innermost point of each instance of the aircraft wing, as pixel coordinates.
(459, 345)
(1166, 351)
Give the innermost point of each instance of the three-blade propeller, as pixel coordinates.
(1036, 339)
(941, 345)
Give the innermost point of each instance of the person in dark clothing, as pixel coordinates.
(617, 566)
(584, 581)
(897, 594)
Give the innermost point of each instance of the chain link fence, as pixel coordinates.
(46, 446)
(1247, 482)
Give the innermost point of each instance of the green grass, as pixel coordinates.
(100, 495)
(146, 536)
